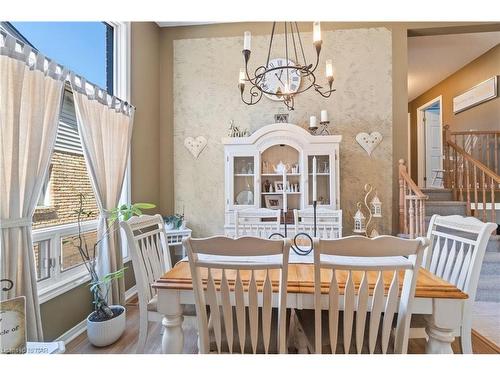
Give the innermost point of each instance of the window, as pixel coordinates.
(95, 51)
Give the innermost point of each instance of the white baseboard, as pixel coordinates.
(81, 327)
(130, 293)
(73, 332)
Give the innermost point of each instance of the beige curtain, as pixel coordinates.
(105, 126)
(30, 98)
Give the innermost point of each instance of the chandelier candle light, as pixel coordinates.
(287, 87)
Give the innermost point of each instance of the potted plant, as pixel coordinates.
(174, 221)
(106, 323)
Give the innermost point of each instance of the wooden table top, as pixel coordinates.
(301, 280)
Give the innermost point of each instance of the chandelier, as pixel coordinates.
(280, 78)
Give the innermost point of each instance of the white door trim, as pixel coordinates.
(421, 136)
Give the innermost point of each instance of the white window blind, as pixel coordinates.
(68, 139)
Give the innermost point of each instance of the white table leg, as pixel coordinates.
(441, 325)
(173, 336)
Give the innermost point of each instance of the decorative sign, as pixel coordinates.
(195, 145)
(13, 326)
(369, 141)
(281, 117)
(481, 93)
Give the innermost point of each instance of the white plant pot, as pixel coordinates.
(107, 332)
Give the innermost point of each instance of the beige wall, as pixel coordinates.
(206, 99)
(145, 95)
(485, 116)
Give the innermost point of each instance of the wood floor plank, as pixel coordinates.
(127, 343)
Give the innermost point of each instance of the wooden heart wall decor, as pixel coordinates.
(195, 145)
(369, 141)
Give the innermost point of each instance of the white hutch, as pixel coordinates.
(250, 174)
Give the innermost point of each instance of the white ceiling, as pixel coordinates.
(433, 58)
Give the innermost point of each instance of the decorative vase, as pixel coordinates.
(106, 332)
(183, 225)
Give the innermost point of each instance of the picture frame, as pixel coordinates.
(278, 186)
(274, 201)
(480, 93)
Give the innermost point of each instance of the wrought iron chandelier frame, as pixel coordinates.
(306, 70)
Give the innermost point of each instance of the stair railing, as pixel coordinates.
(470, 179)
(411, 205)
(482, 145)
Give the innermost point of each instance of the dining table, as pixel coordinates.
(440, 301)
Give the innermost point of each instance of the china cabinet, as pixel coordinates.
(273, 168)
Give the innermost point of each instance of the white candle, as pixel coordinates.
(324, 115)
(329, 69)
(284, 191)
(247, 40)
(312, 122)
(316, 32)
(314, 179)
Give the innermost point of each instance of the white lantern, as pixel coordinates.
(359, 221)
(376, 206)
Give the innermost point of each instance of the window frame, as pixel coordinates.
(60, 281)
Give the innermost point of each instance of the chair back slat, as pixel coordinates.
(261, 222)
(362, 308)
(390, 309)
(328, 222)
(147, 242)
(456, 251)
(364, 259)
(233, 282)
(227, 310)
(267, 294)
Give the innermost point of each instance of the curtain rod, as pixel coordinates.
(70, 76)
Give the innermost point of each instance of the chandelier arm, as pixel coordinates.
(270, 44)
(324, 94)
(287, 86)
(294, 45)
(300, 43)
(254, 93)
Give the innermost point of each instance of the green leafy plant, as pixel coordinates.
(99, 287)
(174, 220)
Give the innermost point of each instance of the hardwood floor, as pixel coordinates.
(127, 343)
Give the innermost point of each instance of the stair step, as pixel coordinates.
(445, 208)
(488, 288)
(493, 244)
(438, 194)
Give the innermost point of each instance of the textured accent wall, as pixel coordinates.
(206, 98)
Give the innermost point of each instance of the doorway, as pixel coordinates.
(430, 145)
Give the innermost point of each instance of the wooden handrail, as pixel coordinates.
(403, 173)
(475, 162)
(471, 180)
(482, 145)
(476, 132)
(411, 204)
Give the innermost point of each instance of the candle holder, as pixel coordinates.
(295, 247)
(373, 212)
(321, 130)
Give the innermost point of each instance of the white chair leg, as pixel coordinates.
(466, 339)
(143, 333)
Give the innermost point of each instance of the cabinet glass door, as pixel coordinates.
(323, 180)
(243, 180)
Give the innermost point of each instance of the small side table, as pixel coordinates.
(175, 236)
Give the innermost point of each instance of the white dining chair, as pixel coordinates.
(218, 266)
(260, 222)
(328, 222)
(148, 249)
(456, 250)
(343, 300)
